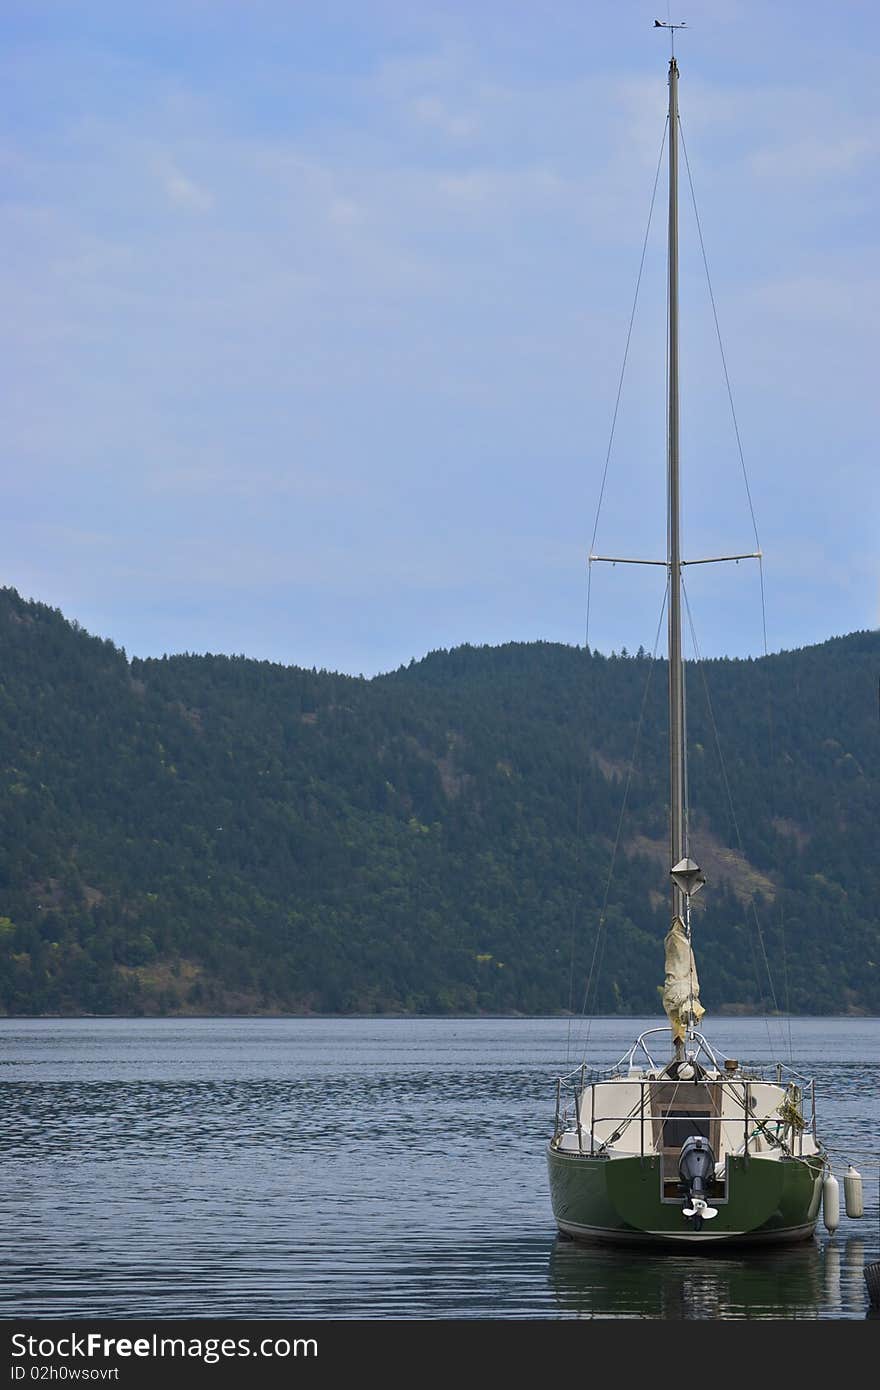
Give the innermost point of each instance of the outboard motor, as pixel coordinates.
(696, 1165)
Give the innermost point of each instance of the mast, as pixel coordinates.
(681, 990)
(677, 847)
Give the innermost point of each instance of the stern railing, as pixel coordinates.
(788, 1121)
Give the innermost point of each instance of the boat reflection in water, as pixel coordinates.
(798, 1281)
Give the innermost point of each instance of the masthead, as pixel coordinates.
(667, 24)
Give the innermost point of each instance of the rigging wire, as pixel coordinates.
(774, 804)
(578, 892)
(601, 933)
(621, 378)
(731, 808)
(748, 491)
(721, 350)
(608, 451)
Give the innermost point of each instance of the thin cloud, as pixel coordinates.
(816, 158)
(352, 322)
(183, 191)
(433, 112)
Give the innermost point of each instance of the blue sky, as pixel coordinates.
(314, 317)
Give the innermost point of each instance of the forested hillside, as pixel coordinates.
(220, 835)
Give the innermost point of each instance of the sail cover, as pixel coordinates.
(681, 990)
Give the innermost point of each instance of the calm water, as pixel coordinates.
(309, 1168)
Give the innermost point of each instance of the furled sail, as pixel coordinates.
(681, 990)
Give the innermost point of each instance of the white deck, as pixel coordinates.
(632, 1115)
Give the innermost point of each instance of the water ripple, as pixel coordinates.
(357, 1169)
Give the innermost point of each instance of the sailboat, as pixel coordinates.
(690, 1147)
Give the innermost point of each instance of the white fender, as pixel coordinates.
(852, 1193)
(831, 1203)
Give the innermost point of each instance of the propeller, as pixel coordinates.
(700, 1208)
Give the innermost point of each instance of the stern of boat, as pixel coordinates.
(698, 1152)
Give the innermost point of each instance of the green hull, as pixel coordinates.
(620, 1200)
